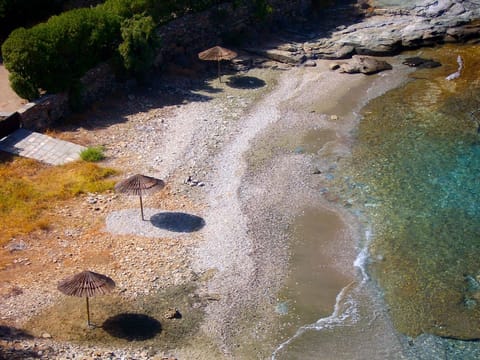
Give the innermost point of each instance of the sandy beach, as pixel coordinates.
(250, 163)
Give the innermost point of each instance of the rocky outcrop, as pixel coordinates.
(387, 31)
(293, 56)
(377, 31)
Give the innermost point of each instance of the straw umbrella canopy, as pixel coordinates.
(217, 53)
(88, 284)
(139, 185)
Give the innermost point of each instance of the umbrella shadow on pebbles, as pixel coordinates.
(177, 222)
(132, 327)
(245, 82)
(9, 333)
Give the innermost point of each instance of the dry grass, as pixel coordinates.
(28, 189)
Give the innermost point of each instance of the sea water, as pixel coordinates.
(413, 180)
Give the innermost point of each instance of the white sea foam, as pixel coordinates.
(361, 262)
(362, 257)
(345, 313)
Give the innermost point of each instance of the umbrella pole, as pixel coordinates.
(141, 206)
(88, 313)
(219, 76)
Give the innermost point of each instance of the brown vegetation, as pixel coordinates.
(29, 189)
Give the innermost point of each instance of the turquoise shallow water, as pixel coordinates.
(415, 172)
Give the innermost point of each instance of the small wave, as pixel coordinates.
(361, 263)
(363, 256)
(345, 313)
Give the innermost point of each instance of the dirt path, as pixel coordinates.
(9, 101)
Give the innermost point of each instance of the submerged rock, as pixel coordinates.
(282, 308)
(419, 62)
(473, 284)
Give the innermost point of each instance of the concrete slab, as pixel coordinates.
(40, 147)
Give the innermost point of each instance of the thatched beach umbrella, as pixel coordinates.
(217, 53)
(139, 185)
(88, 284)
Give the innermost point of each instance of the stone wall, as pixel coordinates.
(44, 112)
(222, 24)
(9, 124)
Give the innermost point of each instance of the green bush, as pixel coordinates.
(127, 8)
(93, 154)
(160, 11)
(139, 46)
(23, 87)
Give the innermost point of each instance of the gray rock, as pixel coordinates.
(364, 65)
(389, 28)
(310, 63)
(334, 66)
(342, 52)
(438, 8)
(457, 9)
(462, 33)
(15, 245)
(171, 313)
(401, 26)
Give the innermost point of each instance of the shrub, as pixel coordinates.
(93, 154)
(23, 87)
(160, 11)
(138, 49)
(127, 8)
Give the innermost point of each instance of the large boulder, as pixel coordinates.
(365, 65)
